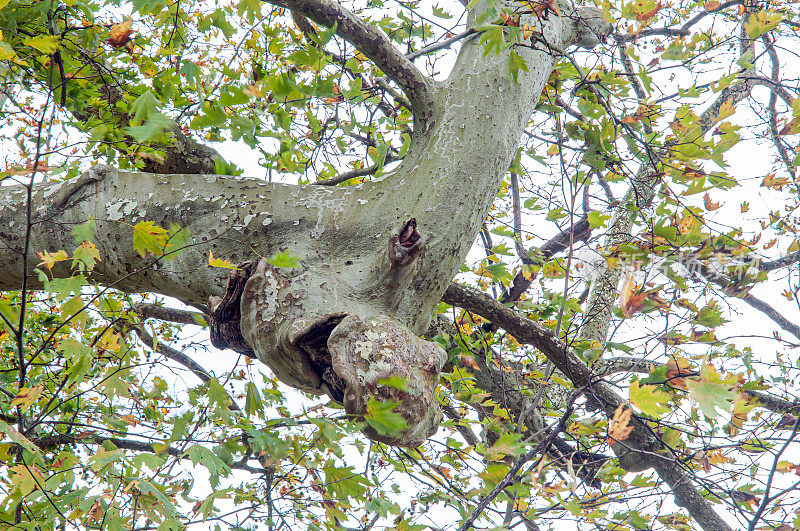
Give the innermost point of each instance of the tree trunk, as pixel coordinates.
(374, 258)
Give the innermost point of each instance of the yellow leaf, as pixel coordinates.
(27, 396)
(649, 399)
(771, 181)
(26, 479)
(726, 110)
(219, 262)
(49, 259)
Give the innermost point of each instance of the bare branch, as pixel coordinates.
(352, 174)
(441, 45)
(685, 27)
(174, 315)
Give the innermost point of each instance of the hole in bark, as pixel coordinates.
(405, 245)
(314, 343)
(408, 234)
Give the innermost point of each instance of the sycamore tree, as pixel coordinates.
(612, 186)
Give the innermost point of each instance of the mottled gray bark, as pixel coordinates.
(374, 258)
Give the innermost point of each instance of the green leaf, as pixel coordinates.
(515, 64)
(649, 399)
(84, 232)
(493, 38)
(507, 444)
(441, 13)
(597, 219)
(149, 488)
(80, 358)
(64, 287)
(143, 107)
(207, 508)
(105, 457)
(285, 259)
(149, 238)
(253, 404)
(710, 315)
(9, 312)
(498, 271)
(47, 44)
(220, 262)
(200, 455)
(395, 381)
(382, 417)
(710, 392)
(556, 214)
(85, 256)
(156, 124)
(233, 96)
(343, 482)
(17, 438)
(324, 34)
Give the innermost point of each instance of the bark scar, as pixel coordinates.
(405, 246)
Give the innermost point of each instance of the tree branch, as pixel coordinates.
(373, 43)
(173, 315)
(647, 449)
(48, 442)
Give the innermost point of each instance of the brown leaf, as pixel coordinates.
(712, 5)
(771, 181)
(677, 370)
(710, 206)
(120, 34)
(619, 430)
(631, 302)
(743, 497)
(641, 17)
(510, 20)
(94, 512)
(442, 471)
(703, 461)
(469, 361)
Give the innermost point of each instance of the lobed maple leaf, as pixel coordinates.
(620, 430)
